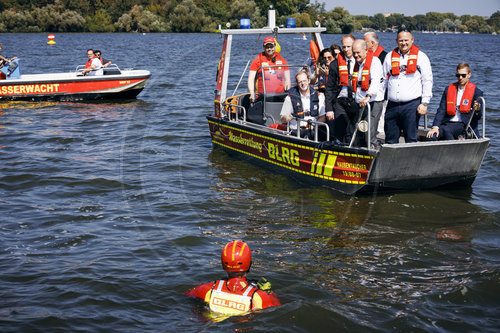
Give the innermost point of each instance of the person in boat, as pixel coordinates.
(93, 65)
(459, 106)
(372, 41)
(368, 85)
(304, 102)
(320, 74)
(409, 88)
(3, 60)
(341, 108)
(235, 295)
(277, 79)
(336, 49)
(105, 62)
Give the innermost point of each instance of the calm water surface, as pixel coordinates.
(109, 212)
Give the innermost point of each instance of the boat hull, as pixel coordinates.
(70, 87)
(398, 167)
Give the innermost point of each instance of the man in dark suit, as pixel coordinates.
(458, 104)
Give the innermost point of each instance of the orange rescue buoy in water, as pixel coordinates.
(51, 39)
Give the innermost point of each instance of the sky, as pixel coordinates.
(410, 8)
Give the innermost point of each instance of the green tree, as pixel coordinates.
(100, 22)
(339, 21)
(379, 22)
(186, 17)
(494, 21)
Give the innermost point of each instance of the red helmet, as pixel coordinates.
(236, 257)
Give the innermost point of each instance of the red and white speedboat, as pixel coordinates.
(73, 86)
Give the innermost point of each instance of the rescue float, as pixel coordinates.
(346, 168)
(72, 86)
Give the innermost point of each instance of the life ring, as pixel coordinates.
(313, 48)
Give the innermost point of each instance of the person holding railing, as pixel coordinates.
(277, 79)
(368, 85)
(459, 107)
(303, 102)
(93, 65)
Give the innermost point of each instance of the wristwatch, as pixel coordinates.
(425, 104)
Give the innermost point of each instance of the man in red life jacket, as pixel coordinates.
(372, 41)
(368, 85)
(340, 106)
(235, 295)
(93, 65)
(458, 104)
(276, 79)
(409, 80)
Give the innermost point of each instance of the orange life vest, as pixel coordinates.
(343, 70)
(465, 103)
(411, 66)
(89, 63)
(365, 75)
(378, 51)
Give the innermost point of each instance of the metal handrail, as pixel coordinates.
(237, 113)
(310, 122)
(360, 117)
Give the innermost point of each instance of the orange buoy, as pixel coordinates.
(51, 39)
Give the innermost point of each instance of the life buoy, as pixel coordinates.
(313, 48)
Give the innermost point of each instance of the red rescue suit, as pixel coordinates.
(365, 75)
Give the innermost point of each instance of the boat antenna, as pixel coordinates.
(248, 62)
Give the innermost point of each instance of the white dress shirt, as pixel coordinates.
(406, 87)
(376, 89)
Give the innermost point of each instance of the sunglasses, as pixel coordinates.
(463, 76)
(329, 58)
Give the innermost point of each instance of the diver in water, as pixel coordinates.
(235, 295)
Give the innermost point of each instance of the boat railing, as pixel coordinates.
(363, 125)
(111, 69)
(310, 123)
(470, 133)
(235, 108)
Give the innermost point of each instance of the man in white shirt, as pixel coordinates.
(368, 85)
(93, 65)
(302, 102)
(409, 88)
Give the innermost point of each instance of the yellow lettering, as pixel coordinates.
(16, 90)
(4, 89)
(271, 150)
(11, 90)
(284, 153)
(37, 88)
(294, 157)
(56, 86)
(29, 89)
(43, 88)
(22, 89)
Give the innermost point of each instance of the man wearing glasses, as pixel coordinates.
(409, 88)
(458, 104)
(277, 77)
(93, 65)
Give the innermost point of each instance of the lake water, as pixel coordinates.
(109, 212)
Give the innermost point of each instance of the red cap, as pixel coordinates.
(269, 40)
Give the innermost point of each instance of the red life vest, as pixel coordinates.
(365, 75)
(89, 63)
(465, 103)
(378, 51)
(411, 66)
(343, 70)
(274, 76)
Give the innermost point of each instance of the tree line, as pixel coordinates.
(206, 15)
